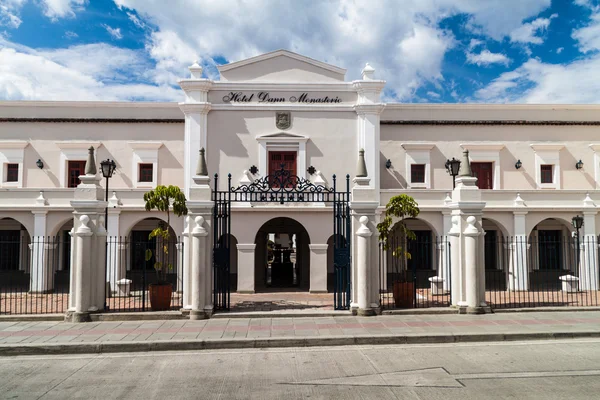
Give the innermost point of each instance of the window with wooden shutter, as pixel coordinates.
(417, 173)
(483, 171)
(145, 173)
(546, 173)
(285, 158)
(74, 170)
(12, 172)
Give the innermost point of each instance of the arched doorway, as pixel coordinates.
(14, 242)
(282, 256)
(552, 253)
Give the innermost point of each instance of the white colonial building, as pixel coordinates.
(537, 166)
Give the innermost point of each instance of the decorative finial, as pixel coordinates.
(361, 168)
(519, 202)
(195, 70)
(368, 72)
(90, 164)
(201, 168)
(465, 165)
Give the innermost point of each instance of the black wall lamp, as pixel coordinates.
(579, 164)
(39, 163)
(518, 164)
(388, 164)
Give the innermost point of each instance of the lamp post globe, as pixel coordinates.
(453, 166)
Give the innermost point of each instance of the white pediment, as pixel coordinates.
(282, 137)
(281, 66)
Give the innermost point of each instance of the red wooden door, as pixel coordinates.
(483, 172)
(288, 159)
(75, 169)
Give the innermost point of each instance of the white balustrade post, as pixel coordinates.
(363, 235)
(199, 234)
(83, 238)
(471, 238)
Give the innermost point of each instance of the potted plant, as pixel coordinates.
(163, 198)
(401, 206)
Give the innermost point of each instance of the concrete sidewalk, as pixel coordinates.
(49, 337)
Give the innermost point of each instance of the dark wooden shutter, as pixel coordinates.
(287, 158)
(546, 173)
(75, 169)
(483, 171)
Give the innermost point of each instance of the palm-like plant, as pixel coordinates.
(401, 206)
(164, 198)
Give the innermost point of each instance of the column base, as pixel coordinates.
(318, 291)
(366, 312)
(77, 317)
(246, 291)
(198, 315)
(474, 310)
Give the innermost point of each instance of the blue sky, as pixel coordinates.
(490, 51)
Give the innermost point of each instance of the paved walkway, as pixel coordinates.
(263, 332)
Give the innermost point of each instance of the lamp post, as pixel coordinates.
(577, 222)
(452, 166)
(107, 167)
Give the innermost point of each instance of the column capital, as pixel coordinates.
(195, 108)
(318, 247)
(246, 247)
(373, 109)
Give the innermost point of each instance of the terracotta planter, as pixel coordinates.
(160, 296)
(403, 294)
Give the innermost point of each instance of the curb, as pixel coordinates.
(262, 343)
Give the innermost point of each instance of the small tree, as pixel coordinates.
(401, 206)
(163, 198)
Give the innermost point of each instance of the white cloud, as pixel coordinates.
(9, 13)
(486, 58)
(71, 35)
(55, 9)
(434, 95)
(588, 37)
(475, 43)
(137, 22)
(85, 72)
(538, 82)
(115, 33)
(559, 50)
(528, 32)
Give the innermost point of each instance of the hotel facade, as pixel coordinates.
(537, 166)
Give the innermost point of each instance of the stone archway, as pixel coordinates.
(282, 256)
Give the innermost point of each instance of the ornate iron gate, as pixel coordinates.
(280, 187)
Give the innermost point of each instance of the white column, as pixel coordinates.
(187, 263)
(115, 271)
(456, 288)
(471, 238)
(518, 278)
(363, 235)
(318, 268)
(83, 247)
(246, 268)
(445, 252)
(179, 249)
(99, 279)
(40, 279)
(588, 272)
(199, 234)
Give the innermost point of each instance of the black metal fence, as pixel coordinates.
(34, 274)
(414, 273)
(130, 270)
(547, 269)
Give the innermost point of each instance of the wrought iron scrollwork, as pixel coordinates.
(282, 186)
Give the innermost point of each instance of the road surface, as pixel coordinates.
(568, 369)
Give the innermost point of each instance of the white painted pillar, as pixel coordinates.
(99, 278)
(187, 263)
(471, 239)
(246, 268)
(588, 272)
(83, 238)
(456, 287)
(199, 234)
(318, 268)
(518, 275)
(196, 108)
(115, 269)
(179, 285)
(40, 279)
(363, 235)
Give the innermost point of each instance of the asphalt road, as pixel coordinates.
(568, 369)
